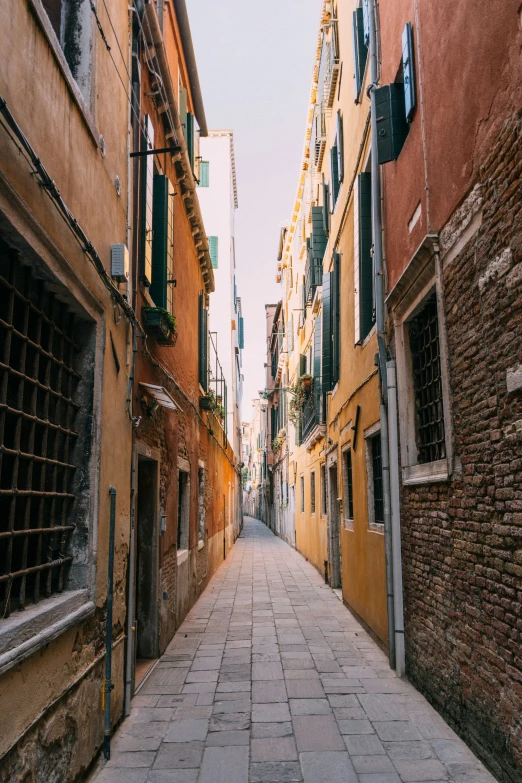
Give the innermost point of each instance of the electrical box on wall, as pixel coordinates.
(392, 127)
(120, 263)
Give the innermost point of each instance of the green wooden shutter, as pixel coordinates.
(326, 211)
(190, 138)
(327, 332)
(319, 238)
(241, 332)
(160, 228)
(360, 51)
(334, 175)
(147, 197)
(299, 432)
(336, 319)
(204, 174)
(340, 147)
(213, 250)
(203, 343)
(365, 254)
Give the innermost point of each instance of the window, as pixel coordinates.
(161, 289)
(46, 374)
(302, 494)
(348, 486)
(376, 459)
(213, 250)
(331, 326)
(363, 262)
(334, 175)
(360, 49)
(147, 196)
(408, 74)
(72, 23)
(201, 503)
(324, 491)
(204, 172)
(312, 491)
(183, 509)
(429, 410)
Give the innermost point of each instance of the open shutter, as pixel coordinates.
(360, 51)
(183, 109)
(213, 250)
(190, 138)
(326, 212)
(204, 174)
(241, 332)
(364, 235)
(317, 350)
(336, 319)
(334, 175)
(327, 332)
(319, 238)
(408, 71)
(160, 228)
(203, 343)
(147, 196)
(340, 147)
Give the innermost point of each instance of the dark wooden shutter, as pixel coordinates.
(408, 71)
(190, 138)
(336, 319)
(340, 147)
(365, 254)
(360, 51)
(319, 238)
(147, 197)
(203, 343)
(160, 229)
(326, 212)
(54, 12)
(334, 175)
(327, 332)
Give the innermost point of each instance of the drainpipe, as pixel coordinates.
(400, 666)
(108, 685)
(381, 335)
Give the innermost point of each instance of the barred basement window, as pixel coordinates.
(41, 452)
(378, 499)
(429, 410)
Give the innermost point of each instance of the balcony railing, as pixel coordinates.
(319, 134)
(216, 382)
(332, 64)
(313, 410)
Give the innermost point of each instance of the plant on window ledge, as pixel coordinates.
(300, 392)
(278, 441)
(208, 402)
(160, 324)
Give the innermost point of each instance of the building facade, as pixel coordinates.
(118, 486)
(401, 316)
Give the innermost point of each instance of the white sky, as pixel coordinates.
(255, 63)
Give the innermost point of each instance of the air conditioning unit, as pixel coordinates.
(120, 263)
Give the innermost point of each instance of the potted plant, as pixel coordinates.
(160, 324)
(300, 392)
(278, 441)
(208, 401)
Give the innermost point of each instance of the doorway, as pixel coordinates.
(146, 569)
(334, 530)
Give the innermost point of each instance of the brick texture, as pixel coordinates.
(462, 540)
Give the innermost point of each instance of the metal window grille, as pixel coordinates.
(323, 490)
(38, 384)
(429, 411)
(349, 483)
(302, 494)
(312, 492)
(378, 500)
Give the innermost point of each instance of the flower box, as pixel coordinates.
(160, 325)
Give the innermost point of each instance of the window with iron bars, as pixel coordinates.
(429, 409)
(378, 497)
(44, 419)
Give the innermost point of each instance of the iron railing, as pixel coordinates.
(216, 382)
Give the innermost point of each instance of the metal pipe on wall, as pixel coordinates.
(108, 685)
(381, 334)
(400, 665)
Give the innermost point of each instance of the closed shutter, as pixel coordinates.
(147, 199)
(336, 319)
(203, 343)
(160, 227)
(365, 265)
(318, 237)
(190, 138)
(326, 212)
(340, 147)
(408, 71)
(327, 332)
(213, 250)
(204, 174)
(241, 332)
(360, 51)
(334, 175)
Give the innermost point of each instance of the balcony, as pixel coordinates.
(319, 145)
(313, 416)
(332, 63)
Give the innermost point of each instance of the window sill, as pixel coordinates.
(182, 555)
(428, 473)
(25, 632)
(348, 524)
(54, 44)
(201, 544)
(376, 527)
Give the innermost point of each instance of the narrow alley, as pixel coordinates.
(271, 679)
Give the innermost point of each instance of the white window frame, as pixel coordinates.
(369, 434)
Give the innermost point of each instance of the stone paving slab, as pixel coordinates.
(271, 680)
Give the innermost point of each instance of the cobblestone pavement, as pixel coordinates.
(271, 680)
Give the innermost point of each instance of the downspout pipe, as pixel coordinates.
(400, 664)
(381, 334)
(108, 685)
